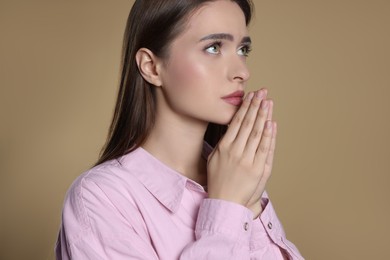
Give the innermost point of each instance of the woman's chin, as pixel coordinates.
(224, 120)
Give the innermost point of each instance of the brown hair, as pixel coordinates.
(152, 24)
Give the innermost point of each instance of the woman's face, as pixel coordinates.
(207, 64)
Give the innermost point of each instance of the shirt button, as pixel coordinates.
(270, 225)
(246, 226)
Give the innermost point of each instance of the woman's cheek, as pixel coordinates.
(190, 74)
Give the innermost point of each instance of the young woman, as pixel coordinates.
(160, 190)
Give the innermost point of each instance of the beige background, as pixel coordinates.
(326, 64)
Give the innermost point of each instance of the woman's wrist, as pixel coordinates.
(257, 209)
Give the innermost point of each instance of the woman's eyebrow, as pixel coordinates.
(246, 40)
(225, 36)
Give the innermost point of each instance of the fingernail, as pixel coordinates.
(260, 94)
(250, 95)
(268, 124)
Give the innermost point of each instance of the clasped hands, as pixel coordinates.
(241, 163)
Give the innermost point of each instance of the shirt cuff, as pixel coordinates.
(273, 227)
(224, 218)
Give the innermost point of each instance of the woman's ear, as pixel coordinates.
(148, 65)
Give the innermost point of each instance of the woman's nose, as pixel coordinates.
(238, 69)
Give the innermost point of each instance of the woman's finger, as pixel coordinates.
(248, 122)
(270, 109)
(264, 146)
(270, 158)
(257, 131)
(237, 119)
(261, 160)
(271, 151)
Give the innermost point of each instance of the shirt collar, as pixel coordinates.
(164, 183)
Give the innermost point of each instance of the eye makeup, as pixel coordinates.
(217, 42)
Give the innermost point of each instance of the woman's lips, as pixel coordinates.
(234, 98)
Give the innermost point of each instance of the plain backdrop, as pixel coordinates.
(325, 63)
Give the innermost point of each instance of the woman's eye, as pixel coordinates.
(244, 51)
(214, 49)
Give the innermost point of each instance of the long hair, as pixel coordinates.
(152, 24)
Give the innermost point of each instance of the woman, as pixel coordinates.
(159, 191)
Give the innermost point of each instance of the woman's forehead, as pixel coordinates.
(217, 17)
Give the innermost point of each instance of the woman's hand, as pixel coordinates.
(241, 163)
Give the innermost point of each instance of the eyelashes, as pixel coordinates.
(245, 50)
(216, 46)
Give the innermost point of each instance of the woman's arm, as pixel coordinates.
(225, 228)
(238, 170)
(94, 228)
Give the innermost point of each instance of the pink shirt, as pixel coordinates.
(136, 207)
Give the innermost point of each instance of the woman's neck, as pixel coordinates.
(178, 143)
